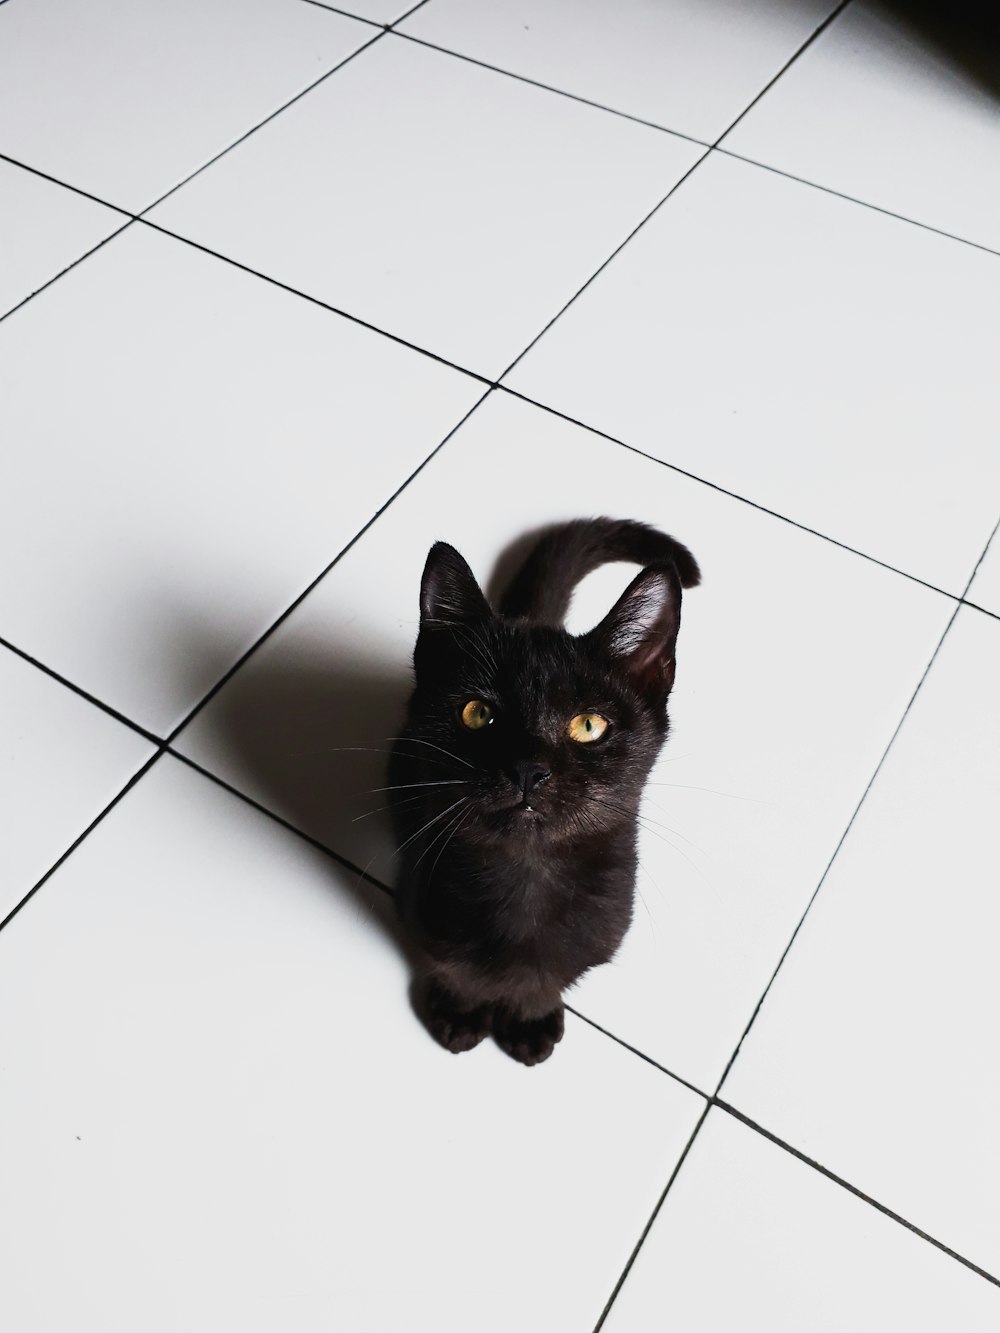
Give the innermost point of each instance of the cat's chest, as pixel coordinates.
(537, 905)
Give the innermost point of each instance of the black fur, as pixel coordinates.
(518, 844)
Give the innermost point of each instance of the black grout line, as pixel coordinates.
(679, 134)
(982, 557)
(548, 87)
(652, 1218)
(836, 851)
(733, 495)
(267, 119)
(852, 1189)
(597, 272)
(346, 13)
(316, 300)
(634, 1050)
(31, 296)
(54, 180)
(785, 67)
(84, 694)
(807, 1161)
(972, 577)
(829, 19)
(857, 810)
(388, 28)
(320, 576)
(412, 10)
(278, 819)
(140, 773)
(373, 23)
(853, 199)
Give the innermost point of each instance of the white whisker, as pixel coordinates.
(440, 833)
(445, 782)
(415, 740)
(406, 800)
(433, 820)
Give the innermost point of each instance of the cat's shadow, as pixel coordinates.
(304, 729)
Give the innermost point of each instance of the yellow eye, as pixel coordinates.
(476, 714)
(586, 727)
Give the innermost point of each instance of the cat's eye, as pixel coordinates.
(477, 714)
(586, 727)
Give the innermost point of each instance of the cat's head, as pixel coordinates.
(549, 735)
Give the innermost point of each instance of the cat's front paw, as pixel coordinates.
(453, 1025)
(529, 1040)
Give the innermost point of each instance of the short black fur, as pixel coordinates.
(518, 843)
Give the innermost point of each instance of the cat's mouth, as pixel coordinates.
(516, 815)
(522, 809)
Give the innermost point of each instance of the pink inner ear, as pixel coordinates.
(644, 622)
(641, 629)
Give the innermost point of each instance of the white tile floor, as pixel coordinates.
(251, 411)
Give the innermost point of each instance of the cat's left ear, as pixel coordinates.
(640, 630)
(449, 593)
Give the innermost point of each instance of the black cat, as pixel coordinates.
(518, 775)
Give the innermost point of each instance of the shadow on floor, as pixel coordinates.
(964, 34)
(305, 730)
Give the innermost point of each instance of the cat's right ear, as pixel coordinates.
(449, 593)
(639, 633)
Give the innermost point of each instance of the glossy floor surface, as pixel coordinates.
(289, 291)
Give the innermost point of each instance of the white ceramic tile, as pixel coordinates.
(689, 65)
(215, 1091)
(185, 448)
(43, 229)
(796, 662)
(445, 203)
(985, 589)
(61, 761)
(875, 1052)
(828, 362)
(895, 109)
(751, 1238)
(125, 98)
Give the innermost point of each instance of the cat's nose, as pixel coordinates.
(528, 774)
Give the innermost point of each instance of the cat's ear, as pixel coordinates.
(449, 593)
(640, 630)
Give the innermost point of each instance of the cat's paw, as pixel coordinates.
(529, 1040)
(453, 1025)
